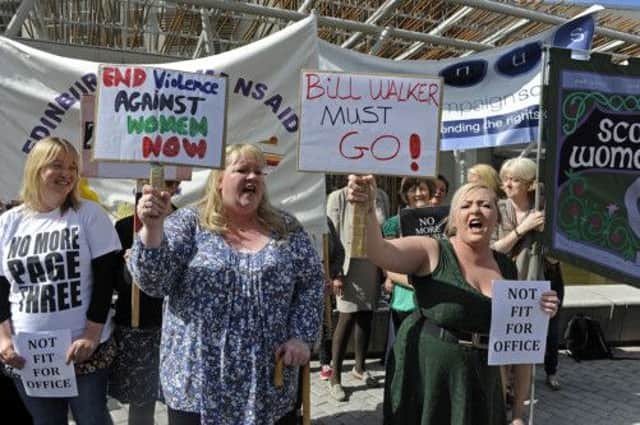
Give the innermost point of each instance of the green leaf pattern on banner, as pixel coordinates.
(579, 103)
(585, 220)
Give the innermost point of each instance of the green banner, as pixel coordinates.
(592, 170)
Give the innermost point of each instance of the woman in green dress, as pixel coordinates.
(438, 371)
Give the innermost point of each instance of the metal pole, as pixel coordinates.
(508, 9)
(291, 15)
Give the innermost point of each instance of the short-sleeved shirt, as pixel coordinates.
(46, 258)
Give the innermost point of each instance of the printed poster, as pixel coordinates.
(593, 164)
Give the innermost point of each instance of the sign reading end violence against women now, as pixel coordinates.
(518, 332)
(359, 123)
(160, 115)
(45, 373)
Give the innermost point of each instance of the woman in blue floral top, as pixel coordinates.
(242, 284)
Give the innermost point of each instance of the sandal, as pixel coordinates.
(553, 383)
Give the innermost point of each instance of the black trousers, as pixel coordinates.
(553, 341)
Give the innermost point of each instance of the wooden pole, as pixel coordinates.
(359, 235)
(135, 291)
(156, 179)
(306, 395)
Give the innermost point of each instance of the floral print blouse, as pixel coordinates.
(225, 314)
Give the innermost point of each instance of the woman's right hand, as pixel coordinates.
(534, 221)
(153, 207)
(8, 354)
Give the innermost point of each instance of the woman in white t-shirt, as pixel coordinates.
(58, 256)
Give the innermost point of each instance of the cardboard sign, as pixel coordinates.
(427, 221)
(115, 170)
(518, 325)
(158, 115)
(359, 123)
(45, 373)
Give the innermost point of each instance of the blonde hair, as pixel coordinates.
(211, 209)
(487, 175)
(457, 199)
(42, 154)
(520, 168)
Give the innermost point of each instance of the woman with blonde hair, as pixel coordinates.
(61, 278)
(515, 237)
(242, 285)
(485, 173)
(438, 371)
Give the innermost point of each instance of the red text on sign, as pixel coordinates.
(383, 148)
(334, 88)
(114, 77)
(171, 147)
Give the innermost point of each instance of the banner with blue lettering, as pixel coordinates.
(491, 98)
(41, 95)
(592, 169)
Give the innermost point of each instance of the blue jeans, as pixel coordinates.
(89, 408)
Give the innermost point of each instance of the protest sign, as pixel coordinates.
(592, 139)
(158, 115)
(115, 170)
(45, 373)
(518, 325)
(491, 98)
(359, 123)
(427, 221)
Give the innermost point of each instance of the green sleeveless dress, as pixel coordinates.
(434, 382)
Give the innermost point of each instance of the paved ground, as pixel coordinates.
(601, 392)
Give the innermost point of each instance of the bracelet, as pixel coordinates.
(515, 230)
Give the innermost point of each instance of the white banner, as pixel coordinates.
(40, 96)
(364, 123)
(491, 98)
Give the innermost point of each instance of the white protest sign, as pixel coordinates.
(518, 325)
(45, 373)
(157, 115)
(360, 123)
(115, 170)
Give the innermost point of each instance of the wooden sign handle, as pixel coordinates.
(156, 179)
(306, 395)
(359, 235)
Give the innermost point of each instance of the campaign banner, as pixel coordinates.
(41, 95)
(364, 123)
(593, 164)
(45, 372)
(427, 221)
(160, 115)
(115, 170)
(491, 98)
(518, 333)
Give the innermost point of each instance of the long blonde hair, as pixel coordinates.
(457, 199)
(42, 154)
(211, 209)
